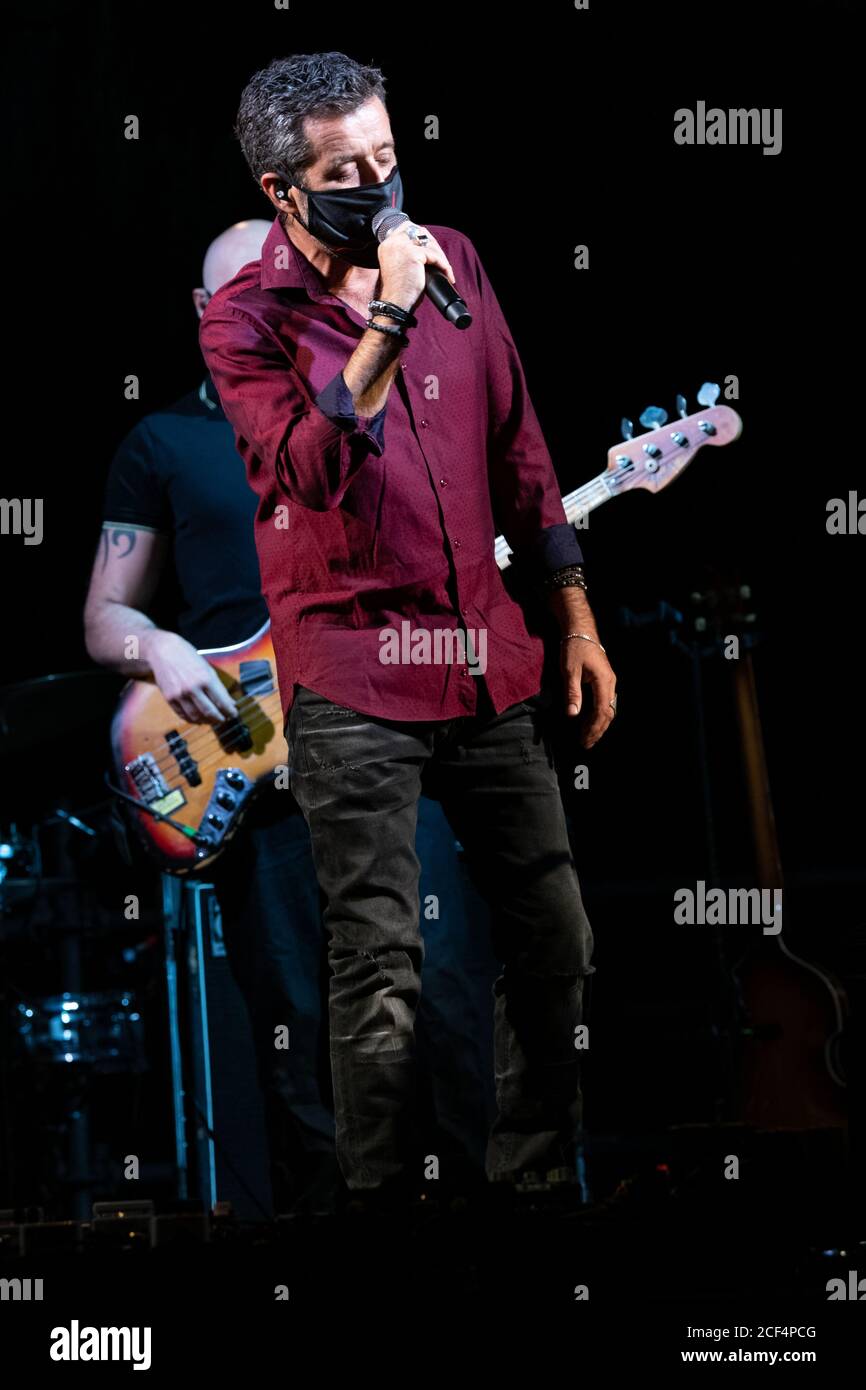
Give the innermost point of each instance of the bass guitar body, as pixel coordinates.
(193, 782)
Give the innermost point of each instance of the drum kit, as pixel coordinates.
(55, 825)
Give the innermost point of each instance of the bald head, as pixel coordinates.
(231, 250)
(224, 257)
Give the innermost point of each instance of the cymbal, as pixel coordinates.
(46, 708)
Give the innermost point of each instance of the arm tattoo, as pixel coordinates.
(118, 536)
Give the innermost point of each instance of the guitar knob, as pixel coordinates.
(235, 779)
(216, 821)
(226, 800)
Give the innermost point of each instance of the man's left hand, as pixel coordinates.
(584, 663)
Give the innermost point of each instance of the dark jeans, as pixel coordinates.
(454, 1023)
(272, 914)
(358, 780)
(272, 923)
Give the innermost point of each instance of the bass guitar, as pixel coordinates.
(186, 787)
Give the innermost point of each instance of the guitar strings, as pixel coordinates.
(202, 763)
(164, 756)
(223, 748)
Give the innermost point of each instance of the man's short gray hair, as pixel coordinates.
(270, 119)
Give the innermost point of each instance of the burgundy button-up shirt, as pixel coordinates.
(374, 533)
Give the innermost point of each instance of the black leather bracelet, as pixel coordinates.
(393, 311)
(392, 332)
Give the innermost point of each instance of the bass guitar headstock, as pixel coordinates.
(653, 459)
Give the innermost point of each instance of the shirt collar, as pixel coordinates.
(284, 267)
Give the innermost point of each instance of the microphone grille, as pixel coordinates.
(385, 219)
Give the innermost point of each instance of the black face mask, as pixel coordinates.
(342, 217)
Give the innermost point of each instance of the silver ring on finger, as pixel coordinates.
(613, 704)
(416, 233)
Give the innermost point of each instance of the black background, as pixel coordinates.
(556, 129)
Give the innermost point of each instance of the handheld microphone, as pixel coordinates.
(438, 289)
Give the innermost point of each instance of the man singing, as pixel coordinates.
(386, 448)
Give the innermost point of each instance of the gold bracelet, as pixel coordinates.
(585, 637)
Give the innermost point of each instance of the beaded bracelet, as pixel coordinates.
(569, 577)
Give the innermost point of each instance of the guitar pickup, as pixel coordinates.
(187, 766)
(235, 736)
(256, 678)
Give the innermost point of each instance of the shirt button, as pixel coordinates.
(457, 545)
(424, 424)
(443, 482)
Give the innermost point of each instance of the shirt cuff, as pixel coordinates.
(335, 400)
(553, 549)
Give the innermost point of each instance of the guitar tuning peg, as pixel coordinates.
(682, 407)
(653, 416)
(626, 428)
(708, 394)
